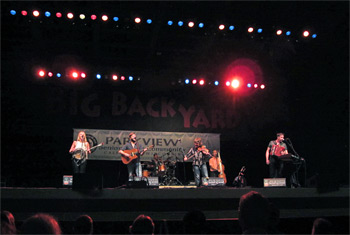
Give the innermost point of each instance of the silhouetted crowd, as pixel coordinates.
(256, 215)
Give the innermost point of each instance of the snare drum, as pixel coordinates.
(145, 173)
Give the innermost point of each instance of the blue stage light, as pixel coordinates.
(187, 81)
(58, 75)
(200, 25)
(98, 76)
(47, 14)
(249, 85)
(149, 21)
(216, 83)
(170, 22)
(115, 18)
(231, 27)
(131, 78)
(260, 30)
(314, 35)
(13, 12)
(288, 33)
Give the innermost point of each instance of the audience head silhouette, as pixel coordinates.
(143, 224)
(83, 225)
(8, 225)
(322, 226)
(253, 213)
(194, 222)
(41, 224)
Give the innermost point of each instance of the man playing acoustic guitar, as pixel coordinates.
(275, 149)
(128, 157)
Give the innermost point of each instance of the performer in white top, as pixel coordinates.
(80, 150)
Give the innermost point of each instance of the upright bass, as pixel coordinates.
(221, 169)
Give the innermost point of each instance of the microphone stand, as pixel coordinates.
(184, 168)
(289, 142)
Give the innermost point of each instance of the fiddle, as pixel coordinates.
(203, 149)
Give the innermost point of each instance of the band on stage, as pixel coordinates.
(164, 166)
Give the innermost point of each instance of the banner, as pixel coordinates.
(168, 145)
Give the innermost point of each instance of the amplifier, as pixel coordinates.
(274, 182)
(215, 181)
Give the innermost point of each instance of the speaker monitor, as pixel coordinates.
(215, 181)
(274, 182)
(143, 182)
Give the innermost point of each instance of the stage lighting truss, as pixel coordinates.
(171, 23)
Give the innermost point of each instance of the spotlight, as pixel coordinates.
(149, 21)
(24, 13)
(250, 29)
(260, 30)
(314, 35)
(306, 33)
(231, 27)
(104, 17)
(13, 12)
(47, 14)
(190, 24)
(279, 32)
(75, 74)
(83, 75)
(200, 25)
(288, 33)
(122, 78)
(58, 75)
(36, 13)
(187, 81)
(98, 76)
(249, 85)
(58, 14)
(115, 18)
(262, 86)
(221, 27)
(216, 83)
(82, 16)
(70, 15)
(235, 83)
(93, 17)
(194, 81)
(201, 82)
(170, 22)
(50, 74)
(255, 85)
(137, 20)
(115, 77)
(131, 78)
(180, 23)
(228, 83)
(41, 73)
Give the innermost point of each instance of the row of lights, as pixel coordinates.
(235, 83)
(138, 20)
(75, 74)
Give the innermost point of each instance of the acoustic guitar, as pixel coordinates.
(134, 153)
(221, 169)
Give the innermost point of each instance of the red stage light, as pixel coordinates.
(137, 20)
(194, 81)
(104, 17)
(262, 86)
(255, 85)
(36, 13)
(306, 33)
(75, 74)
(201, 82)
(70, 15)
(24, 13)
(58, 14)
(235, 83)
(115, 77)
(41, 73)
(93, 17)
(279, 32)
(228, 83)
(50, 74)
(250, 29)
(221, 27)
(83, 75)
(122, 78)
(190, 24)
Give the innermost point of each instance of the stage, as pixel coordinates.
(124, 204)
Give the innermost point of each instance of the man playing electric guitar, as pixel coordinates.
(133, 165)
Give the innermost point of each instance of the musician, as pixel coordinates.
(274, 150)
(214, 164)
(82, 146)
(199, 153)
(156, 162)
(134, 166)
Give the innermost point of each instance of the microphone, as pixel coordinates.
(179, 140)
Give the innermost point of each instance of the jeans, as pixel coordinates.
(197, 170)
(275, 167)
(132, 167)
(79, 169)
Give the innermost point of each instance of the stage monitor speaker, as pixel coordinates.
(215, 181)
(143, 182)
(87, 181)
(67, 181)
(274, 182)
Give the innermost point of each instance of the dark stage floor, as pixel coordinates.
(124, 204)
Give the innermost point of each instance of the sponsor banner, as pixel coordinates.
(169, 145)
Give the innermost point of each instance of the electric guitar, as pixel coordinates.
(221, 169)
(134, 153)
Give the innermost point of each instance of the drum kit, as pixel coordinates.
(164, 170)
